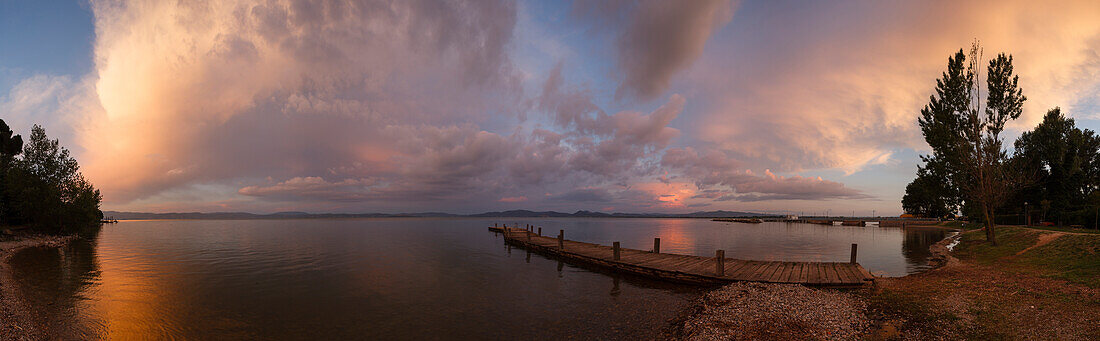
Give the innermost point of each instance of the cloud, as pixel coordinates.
(204, 92)
(658, 38)
(56, 102)
(721, 180)
(607, 145)
(840, 85)
(313, 188)
(585, 195)
(405, 104)
(513, 199)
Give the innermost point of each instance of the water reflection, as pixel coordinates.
(915, 246)
(398, 278)
(55, 282)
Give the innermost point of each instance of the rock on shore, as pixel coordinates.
(755, 311)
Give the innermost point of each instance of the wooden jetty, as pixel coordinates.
(684, 268)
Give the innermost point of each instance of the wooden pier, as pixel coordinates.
(687, 269)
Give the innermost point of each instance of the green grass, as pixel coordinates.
(1074, 258)
(1066, 229)
(1010, 240)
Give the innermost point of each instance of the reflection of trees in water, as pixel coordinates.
(53, 282)
(915, 244)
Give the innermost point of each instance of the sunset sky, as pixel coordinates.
(471, 106)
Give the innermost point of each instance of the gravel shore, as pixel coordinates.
(16, 320)
(755, 311)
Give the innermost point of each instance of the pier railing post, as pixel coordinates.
(540, 232)
(656, 245)
(615, 247)
(720, 258)
(853, 261)
(561, 240)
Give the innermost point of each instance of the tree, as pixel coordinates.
(50, 193)
(965, 137)
(1065, 160)
(983, 158)
(941, 124)
(924, 196)
(10, 146)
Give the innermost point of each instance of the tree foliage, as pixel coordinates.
(1066, 161)
(968, 156)
(924, 196)
(10, 146)
(44, 188)
(938, 179)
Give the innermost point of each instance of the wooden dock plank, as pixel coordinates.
(783, 270)
(798, 272)
(853, 272)
(764, 272)
(815, 275)
(687, 268)
(834, 276)
(745, 271)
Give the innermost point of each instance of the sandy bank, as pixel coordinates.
(16, 320)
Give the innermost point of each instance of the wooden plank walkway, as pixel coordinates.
(690, 269)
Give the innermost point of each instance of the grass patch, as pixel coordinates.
(1075, 258)
(1066, 229)
(1010, 240)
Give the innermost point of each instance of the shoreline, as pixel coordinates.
(16, 320)
(734, 311)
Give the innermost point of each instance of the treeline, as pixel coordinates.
(41, 186)
(1052, 173)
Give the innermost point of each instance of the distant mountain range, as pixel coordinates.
(504, 214)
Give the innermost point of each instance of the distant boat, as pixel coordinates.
(109, 220)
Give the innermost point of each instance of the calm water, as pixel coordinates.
(398, 278)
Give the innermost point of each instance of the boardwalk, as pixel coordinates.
(689, 269)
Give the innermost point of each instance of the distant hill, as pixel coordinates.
(504, 214)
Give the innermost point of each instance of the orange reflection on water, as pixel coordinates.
(674, 236)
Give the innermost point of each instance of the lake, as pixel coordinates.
(400, 278)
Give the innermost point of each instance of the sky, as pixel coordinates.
(468, 106)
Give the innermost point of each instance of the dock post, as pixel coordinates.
(853, 261)
(720, 257)
(656, 245)
(540, 232)
(561, 240)
(615, 247)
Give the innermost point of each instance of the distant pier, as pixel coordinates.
(687, 269)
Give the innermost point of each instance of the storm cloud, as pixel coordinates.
(381, 105)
